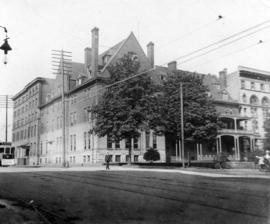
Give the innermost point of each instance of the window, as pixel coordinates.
(147, 139)
(252, 85)
(262, 87)
(74, 142)
(127, 158)
(244, 98)
(117, 144)
(136, 158)
(154, 141)
(74, 159)
(135, 143)
(118, 158)
(85, 140)
(109, 142)
(128, 143)
(243, 86)
(88, 159)
(89, 140)
(71, 142)
(84, 159)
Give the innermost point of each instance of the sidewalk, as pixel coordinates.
(235, 173)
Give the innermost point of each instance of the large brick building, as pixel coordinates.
(38, 120)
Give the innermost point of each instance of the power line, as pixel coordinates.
(223, 45)
(152, 69)
(223, 40)
(231, 53)
(191, 32)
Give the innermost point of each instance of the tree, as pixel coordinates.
(151, 155)
(267, 134)
(200, 116)
(124, 106)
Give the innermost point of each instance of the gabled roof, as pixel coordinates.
(111, 51)
(117, 48)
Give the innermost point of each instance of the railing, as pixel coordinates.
(233, 131)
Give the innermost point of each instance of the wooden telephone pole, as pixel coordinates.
(63, 67)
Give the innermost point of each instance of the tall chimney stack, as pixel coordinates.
(94, 57)
(150, 53)
(87, 57)
(223, 78)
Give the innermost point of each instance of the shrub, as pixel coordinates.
(251, 156)
(220, 160)
(151, 155)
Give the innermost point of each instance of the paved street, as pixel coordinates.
(137, 196)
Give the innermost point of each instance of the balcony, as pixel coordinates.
(237, 132)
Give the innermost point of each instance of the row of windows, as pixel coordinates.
(24, 134)
(54, 124)
(87, 159)
(135, 142)
(28, 94)
(27, 107)
(254, 100)
(23, 121)
(254, 111)
(254, 85)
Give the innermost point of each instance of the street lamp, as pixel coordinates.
(5, 46)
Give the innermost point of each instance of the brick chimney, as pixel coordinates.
(94, 53)
(172, 66)
(87, 57)
(150, 53)
(223, 78)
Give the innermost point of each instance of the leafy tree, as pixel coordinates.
(267, 134)
(124, 106)
(151, 155)
(200, 116)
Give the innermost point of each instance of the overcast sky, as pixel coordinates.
(177, 27)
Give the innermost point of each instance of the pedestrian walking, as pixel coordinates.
(107, 160)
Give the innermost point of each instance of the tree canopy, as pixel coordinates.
(267, 134)
(124, 106)
(200, 116)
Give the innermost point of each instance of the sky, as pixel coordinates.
(177, 27)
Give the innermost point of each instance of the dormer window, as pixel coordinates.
(106, 58)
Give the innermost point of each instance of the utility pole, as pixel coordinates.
(63, 67)
(6, 118)
(182, 125)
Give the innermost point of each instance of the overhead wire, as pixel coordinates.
(223, 45)
(223, 40)
(231, 53)
(191, 32)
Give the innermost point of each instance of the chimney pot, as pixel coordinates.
(172, 66)
(150, 53)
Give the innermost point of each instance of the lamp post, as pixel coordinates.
(5, 46)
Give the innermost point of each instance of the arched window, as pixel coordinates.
(254, 100)
(265, 101)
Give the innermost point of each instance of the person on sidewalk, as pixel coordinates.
(107, 160)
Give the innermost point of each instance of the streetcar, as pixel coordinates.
(7, 157)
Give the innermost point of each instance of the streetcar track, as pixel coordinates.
(153, 195)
